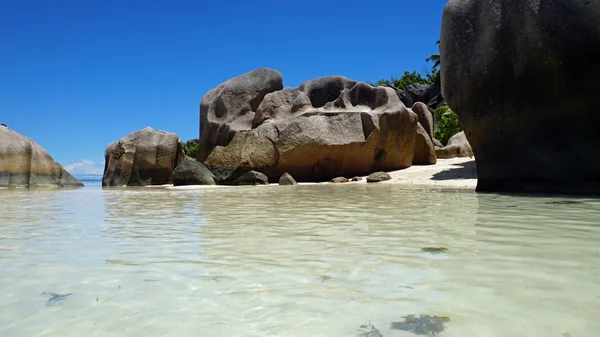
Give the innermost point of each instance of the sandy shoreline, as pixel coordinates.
(454, 173)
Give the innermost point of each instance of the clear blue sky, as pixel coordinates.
(76, 75)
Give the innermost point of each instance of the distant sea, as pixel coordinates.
(90, 180)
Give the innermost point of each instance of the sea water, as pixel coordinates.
(318, 260)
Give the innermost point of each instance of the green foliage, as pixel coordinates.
(448, 124)
(405, 80)
(190, 150)
(409, 78)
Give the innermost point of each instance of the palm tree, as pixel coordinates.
(435, 58)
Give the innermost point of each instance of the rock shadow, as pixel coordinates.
(466, 170)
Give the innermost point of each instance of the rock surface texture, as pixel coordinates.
(523, 76)
(230, 107)
(23, 163)
(458, 146)
(425, 117)
(145, 157)
(325, 128)
(430, 95)
(191, 172)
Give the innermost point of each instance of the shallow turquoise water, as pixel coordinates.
(314, 260)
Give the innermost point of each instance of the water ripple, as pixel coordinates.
(308, 260)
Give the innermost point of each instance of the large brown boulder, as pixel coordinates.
(424, 148)
(325, 128)
(23, 163)
(145, 157)
(458, 146)
(523, 75)
(230, 107)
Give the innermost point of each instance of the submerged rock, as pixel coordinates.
(369, 330)
(55, 298)
(23, 163)
(422, 325)
(287, 179)
(378, 177)
(435, 250)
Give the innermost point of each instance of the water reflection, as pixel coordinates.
(535, 270)
(296, 261)
(319, 254)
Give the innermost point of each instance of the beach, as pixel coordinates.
(451, 173)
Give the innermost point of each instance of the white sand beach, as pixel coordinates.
(455, 173)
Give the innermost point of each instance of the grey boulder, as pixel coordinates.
(287, 179)
(458, 146)
(191, 172)
(523, 76)
(230, 107)
(251, 178)
(145, 157)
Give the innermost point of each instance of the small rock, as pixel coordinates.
(356, 179)
(339, 180)
(378, 177)
(287, 179)
(251, 178)
(227, 175)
